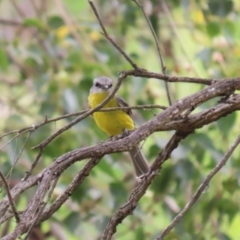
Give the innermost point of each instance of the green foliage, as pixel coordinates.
(220, 8)
(46, 69)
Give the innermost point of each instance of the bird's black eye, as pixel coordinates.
(97, 84)
(110, 85)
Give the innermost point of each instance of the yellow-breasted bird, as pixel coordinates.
(115, 122)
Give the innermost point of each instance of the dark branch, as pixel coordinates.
(105, 33)
(141, 188)
(14, 209)
(172, 114)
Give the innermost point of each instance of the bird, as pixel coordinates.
(117, 122)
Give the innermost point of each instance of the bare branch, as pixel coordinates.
(14, 209)
(78, 180)
(161, 121)
(17, 190)
(178, 117)
(200, 119)
(200, 189)
(217, 89)
(141, 188)
(10, 22)
(178, 36)
(34, 164)
(141, 73)
(34, 127)
(33, 205)
(163, 67)
(20, 153)
(42, 207)
(105, 33)
(168, 93)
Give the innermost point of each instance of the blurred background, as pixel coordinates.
(50, 51)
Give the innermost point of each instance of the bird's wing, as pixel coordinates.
(122, 103)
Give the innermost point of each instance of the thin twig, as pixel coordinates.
(78, 179)
(105, 33)
(147, 74)
(163, 67)
(8, 215)
(200, 189)
(14, 209)
(46, 121)
(29, 172)
(10, 22)
(35, 127)
(19, 155)
(168, 93)
(179, 38)
(143, 107)
(15, 131)
(23, 147)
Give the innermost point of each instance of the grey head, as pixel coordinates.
(101, 84)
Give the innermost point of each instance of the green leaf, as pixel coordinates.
(55, 22)
(73, 221)
(213, 28)
(119, 192)
(139, 233)
(231, 185)
(162, 181)
(227, 205)
(225, 124)
(33, 22)
(104, 166)
(154, 21)
(220, 8)
(3, 60)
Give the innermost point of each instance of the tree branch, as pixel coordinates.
(105, 33)
(163, 67)
(147, 74)
(78, 180)
(34, 127)
(163, 120)
(141, 188)
(14, 209)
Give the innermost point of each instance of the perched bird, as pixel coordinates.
(115, 122)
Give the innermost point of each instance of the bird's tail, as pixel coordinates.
(139, 162)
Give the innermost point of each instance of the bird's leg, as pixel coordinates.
(124, 134)
(116, 137)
